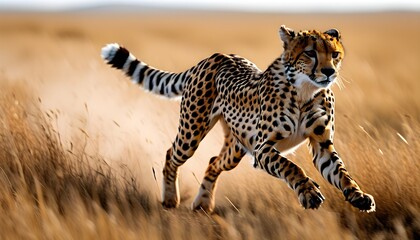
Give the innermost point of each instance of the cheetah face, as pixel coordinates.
(315, 57)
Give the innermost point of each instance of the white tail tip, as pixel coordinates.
(108, 52)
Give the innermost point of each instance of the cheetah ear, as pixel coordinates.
(333, 33)
(286, 34)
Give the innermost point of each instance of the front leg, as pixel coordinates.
(270, 160)
(332, 168)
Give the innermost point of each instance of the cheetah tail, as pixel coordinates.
(151, 79)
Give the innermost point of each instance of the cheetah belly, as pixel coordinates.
(290, 144)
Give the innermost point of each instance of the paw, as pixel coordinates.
(309, 195)
(203, 202)
(170, 195)
(170, 203)
(360, 200)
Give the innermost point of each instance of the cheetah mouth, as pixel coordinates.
(324, 82)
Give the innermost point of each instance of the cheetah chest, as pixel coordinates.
(292, 142)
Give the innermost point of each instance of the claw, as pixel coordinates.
(320, 196)
(316, 184)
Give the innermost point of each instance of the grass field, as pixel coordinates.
(82, 149)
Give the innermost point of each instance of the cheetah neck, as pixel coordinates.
(305, 88)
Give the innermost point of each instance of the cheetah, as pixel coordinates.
(264, 113)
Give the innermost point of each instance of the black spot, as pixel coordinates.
(282, 119)
(283, 160)
(273, 100)
(192, 107)
(208, 93)
(209, 77)
(193, 97)
(319, 130)
(251, 140)
(178, 152)
(201, 77)
(212, 160)
(236, 159)
(215, 109)
(217, 57)
(188, 135)
(275, 158)
(200, 102)
(202, 109)
(185, 146)
(326, 144)
(291, 110)
(266, 150)
(209, 85)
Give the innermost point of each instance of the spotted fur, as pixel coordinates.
(264, 113)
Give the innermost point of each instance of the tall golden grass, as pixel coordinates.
(81, 150)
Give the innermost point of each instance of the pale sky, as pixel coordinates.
(244, 5)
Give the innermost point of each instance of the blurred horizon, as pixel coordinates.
(210, 5)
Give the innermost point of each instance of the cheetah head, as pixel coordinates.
(311, 56)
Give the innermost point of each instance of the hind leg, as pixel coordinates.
(182, 149)
(229, 157)
(196, 121)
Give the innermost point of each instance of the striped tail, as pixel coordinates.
(157, 81)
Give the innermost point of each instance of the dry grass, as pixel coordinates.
(80, 149)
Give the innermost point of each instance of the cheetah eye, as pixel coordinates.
(310, 53)
(335, 54)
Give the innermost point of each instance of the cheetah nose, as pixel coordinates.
(328, 71)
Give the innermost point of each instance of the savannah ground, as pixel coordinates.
(82, 149)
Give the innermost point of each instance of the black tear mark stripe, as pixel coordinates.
(316, 61)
